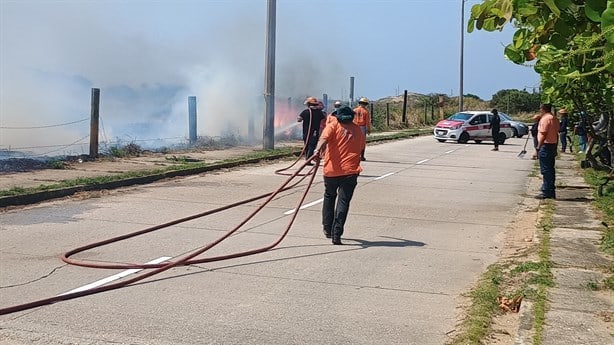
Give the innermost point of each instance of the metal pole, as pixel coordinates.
(462, 44)
(269, 80)
(94, 119)
(192, 118)
(405, 107)
(351, 91)
(325, 102)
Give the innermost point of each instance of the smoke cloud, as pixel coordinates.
(146, 60)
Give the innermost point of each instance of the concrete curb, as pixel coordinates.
(31, 198)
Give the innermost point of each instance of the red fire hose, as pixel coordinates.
(186, 260)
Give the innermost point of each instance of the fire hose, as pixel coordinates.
(188, 259)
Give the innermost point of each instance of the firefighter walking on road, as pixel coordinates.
(362, 118)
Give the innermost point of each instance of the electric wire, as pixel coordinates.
(46, 126)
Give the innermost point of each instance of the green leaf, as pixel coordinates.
(470, 26)
(552, 6)
(514, 55)
(607, 22)
(527, 10)
(563, 4)
(520, 36)
(563, 28)
(476, 11)
(489, 24)
(558, 41)
(594, 8)
(479, 23)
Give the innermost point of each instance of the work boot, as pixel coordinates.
(326, 233)
(337, 241)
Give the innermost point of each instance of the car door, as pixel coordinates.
(483, 126)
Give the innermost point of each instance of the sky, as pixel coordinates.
(147, 57)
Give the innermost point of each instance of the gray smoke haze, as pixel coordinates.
(146, 65)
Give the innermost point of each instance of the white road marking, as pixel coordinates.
(304, 206)
(383, 176)
(115, 276)
(423, 161)
(450, 151)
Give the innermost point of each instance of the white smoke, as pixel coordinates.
(146, 61)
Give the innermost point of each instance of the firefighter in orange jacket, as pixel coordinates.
(363, 120)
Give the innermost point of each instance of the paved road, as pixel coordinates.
(426, 220)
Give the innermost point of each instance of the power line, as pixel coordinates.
(48, 126)
(48, 146)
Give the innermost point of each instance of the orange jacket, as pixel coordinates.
(362, 117)
(344, 142)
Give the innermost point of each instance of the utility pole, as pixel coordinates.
(351, 92)
(269, 80)
(462, 43)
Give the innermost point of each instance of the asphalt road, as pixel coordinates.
(426, 220)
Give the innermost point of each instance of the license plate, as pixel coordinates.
(441, 132)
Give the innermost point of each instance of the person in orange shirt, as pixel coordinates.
(363, 120)
(343, 142)
(547, 141)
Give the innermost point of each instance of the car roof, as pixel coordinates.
(472, 112)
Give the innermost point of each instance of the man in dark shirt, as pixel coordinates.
(563, 129)
(311, 118)
(495, 126)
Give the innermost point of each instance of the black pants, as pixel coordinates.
(495, 138)
(334, 216)
(311, 142)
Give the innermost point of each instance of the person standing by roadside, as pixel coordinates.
(342, 141)
(534, 127)
(580, 131)
(547, 142)
(563, 129)
(311, 118)
(363, 120)
(495, 126)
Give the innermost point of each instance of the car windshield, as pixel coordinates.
(505, 117)
(460, 117)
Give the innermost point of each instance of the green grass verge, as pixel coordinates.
(97, 180)
(543, 278)
(605, 204)
(483, 308)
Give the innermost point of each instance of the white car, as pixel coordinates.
(470, 125)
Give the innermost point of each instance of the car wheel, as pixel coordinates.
(502, 138)
(520, 136)
(441, 140)
(464, 138)
(478, 141)
(515, 134)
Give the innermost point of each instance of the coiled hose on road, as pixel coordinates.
(188, 259)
